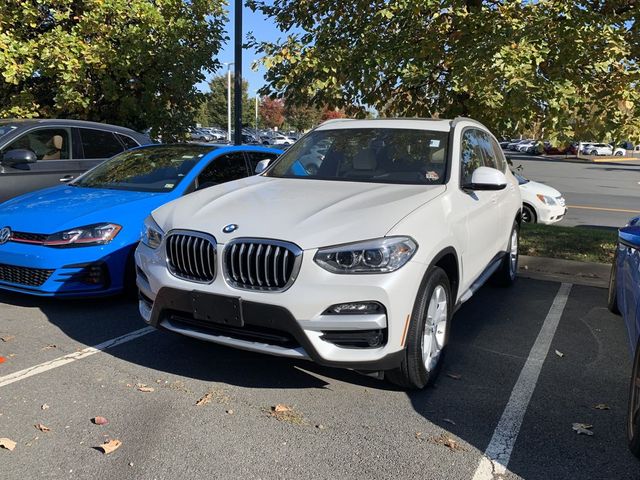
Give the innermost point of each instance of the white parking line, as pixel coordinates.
(72, 357)
(496, 456)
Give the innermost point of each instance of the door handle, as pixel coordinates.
(66, 178)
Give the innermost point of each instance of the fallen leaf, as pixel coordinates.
(206, 398)
(109, 446)
(7, 338)
(7, 443)
(582, 428)
(447, 441)
(320, 426)
(2, 359)
(99, 420)
(455, 376)
(448, 420)
(42, 428)
(601, 406)
(229, 412)
(560, 354)
(419, 435)
(44, 406)
(279, 408)
(146, 389)
(284, 413)
(48, 347)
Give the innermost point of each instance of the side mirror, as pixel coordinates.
(630, 234)
(486, 178)
(509, 160)
(262, 166)
(18, 157)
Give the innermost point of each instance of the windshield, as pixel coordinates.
(147, 169)
(520, 178)
(376, 155)
(4, 129)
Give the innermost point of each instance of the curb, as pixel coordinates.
(557, 270)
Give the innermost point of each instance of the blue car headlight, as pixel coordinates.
(89, 235)
(152, 234)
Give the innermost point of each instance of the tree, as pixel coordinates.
(128, 62)
(216, 102)
(271, 112)
(569, 68)
(301, 118)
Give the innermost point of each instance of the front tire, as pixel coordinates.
(594, 153)
(633, 413)
(427, 335)
(506, 274)
(529, 214)
(612, 296)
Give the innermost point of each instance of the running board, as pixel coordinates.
(482, 279)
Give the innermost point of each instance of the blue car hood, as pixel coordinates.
(58, 208)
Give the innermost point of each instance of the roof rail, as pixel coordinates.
(457, 120)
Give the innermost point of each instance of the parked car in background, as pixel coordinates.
(624, 299)
(627, 150)
(523, 147)
(597, 149)
(540, 203)
(78, 239)
(39, 153)
(277, 139)
(358, 264)
(200, 135)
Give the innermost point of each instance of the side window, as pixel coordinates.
(223, 169)
(488, 152)
(127, 141)
(255, 157)
(471, 155)
(46, 143)
(500, 159)
(99, 144)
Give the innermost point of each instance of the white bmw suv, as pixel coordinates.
(358, 262)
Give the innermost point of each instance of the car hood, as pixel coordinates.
(54, 209)
(535, 188)
(310, 213)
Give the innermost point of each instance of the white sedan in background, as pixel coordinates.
(540, 203)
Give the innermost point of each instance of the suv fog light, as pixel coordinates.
(356, 339)
(355, 308)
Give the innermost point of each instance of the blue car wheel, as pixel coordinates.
(633, 416)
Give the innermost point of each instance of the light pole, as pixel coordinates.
(228, 64)
(238, 70)
(256, 112)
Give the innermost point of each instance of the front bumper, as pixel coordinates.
(44, 271)
(292, 323)
(551, 214)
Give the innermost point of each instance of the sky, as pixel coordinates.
(263, 29)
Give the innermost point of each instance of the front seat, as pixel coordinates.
(54, 147)
(364, 165)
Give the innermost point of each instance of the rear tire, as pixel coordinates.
(507, 273)
(612, 296)
(633, 413)
(427, 335)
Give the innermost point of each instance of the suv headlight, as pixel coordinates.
(382, 255)
(546, 199)
(86, 236)
(151, 233)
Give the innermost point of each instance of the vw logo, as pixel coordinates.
(5, 235)
(232, 227)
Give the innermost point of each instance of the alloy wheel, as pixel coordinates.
(435, 328)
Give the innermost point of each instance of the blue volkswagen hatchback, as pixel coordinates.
(78, 239)
(624, 299)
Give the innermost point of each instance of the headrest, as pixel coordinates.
(438, 156)
(364, 160)
(57, 142)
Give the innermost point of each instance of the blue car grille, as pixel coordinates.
(25, 237)
(31, 277)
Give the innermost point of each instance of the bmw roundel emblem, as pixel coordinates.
(5, 235)
(232, 227)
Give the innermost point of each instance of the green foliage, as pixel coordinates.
(128, 62)
(215, 104)
(564, 69)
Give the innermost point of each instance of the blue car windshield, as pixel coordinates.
(147, 169)
(375, 155)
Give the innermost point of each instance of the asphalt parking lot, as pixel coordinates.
(343, 424)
